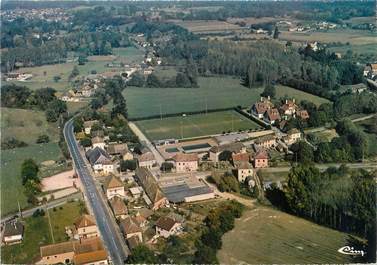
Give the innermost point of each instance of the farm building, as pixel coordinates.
(215, 151)
(13, 232)
(114, 187)
(185, 162)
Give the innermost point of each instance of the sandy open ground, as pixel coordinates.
(60, 181)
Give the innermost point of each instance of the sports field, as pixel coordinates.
(268, 236)
(195, 125)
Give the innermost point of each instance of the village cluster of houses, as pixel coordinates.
(370, 71)
(22, 77)
(266, 111)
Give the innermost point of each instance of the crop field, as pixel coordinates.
(26, 125)
(201, 26)
(269, 236)
(195, 125)
(37, 233)
(370, 48)
(282, 91)
(214, 92)
(355, 37)
(11, 187)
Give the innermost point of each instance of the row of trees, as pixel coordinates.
(30, 180)
(14, 96)
(349, 207)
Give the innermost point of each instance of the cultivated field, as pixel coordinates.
(356, 37)
(205, 26)
(11, 187)
(217, 92)
(195, 125)
(26, 125)
(282, 91)
(37, 233)
(268, 236)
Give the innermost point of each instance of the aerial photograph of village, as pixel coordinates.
(188, 132)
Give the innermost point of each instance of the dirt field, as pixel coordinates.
(60, 181)
(268, 236)
(200, 26)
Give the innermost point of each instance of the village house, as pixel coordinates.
(185, 162)
(288, 109)
(215, 151)
(266, 141)
(120, 149)
(13, 232)
(98, 142)
(130, 227)
(114, 187)
(260, 107)
(241, 157)
(142, 215)
(80, 252)
(303, 114)
(166, 226)
(100, 160)
(151, 188)
(146, 160)
(271, 116)
(133, 242)
(261, 159)
(292, 136)
(243, 169)
(119, 207)
(135, 192)
(86, 227)
(88, 126)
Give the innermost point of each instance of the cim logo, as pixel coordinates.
(347, 250)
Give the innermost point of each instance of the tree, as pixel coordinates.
(205, 255)
(86, 142)
(166, 167)
(75, 72)
(142, 255)
(78, 125)
(43, 139)
(56, 78)
(54, 109)
(269, 91)
(212, 238)
(276, 33)
(29, 171)
(128, 165)
(225, 156)
(137, 79)
(303, 152)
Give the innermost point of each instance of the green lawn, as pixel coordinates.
(11, 160)
(218, 92)
(195, 125)
(268, 236)
(129, 54)
(37, 233)
(299, 95)
(26, 125)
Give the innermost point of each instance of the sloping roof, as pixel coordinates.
(133, 242)
(302, 114)
(129, 225)
(145, 212)
(260, 107)
(261, 154)
(113, 182)
(89, 124)
(149, 184)
(241, 157)
(13, 228)
(58, 248)
(97, 155)
(165, 223)
(85, 221)
(265, 138)
(97, 139)
(233, 147)
(90, 257)
(118, 206)
(146, 157)
(243, 165)
(181, 157)
(273, 114)
(113, 149)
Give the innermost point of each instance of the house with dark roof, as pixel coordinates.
(114, 187)
(100, 161)
(234, 148)
(260, 107)
(166, 226)
(133, 242)
(151, 188)
(13, 232)
(130, 227)
(119, 207)
(120, 150)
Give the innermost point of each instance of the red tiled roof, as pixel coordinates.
(273, 114)
(180, 157)
(262, 154)
(165, 223)
(241, 157)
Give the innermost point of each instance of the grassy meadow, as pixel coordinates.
(37, 233)
(269, 236)
(195, 125)
(26, 125)
(11, 160)
(282, 91)
(365, 125)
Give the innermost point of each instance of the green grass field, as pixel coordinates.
(37, 233)
(26, 125)
(129, 54)
(268, 236)
(282, 91)
(195, 125)
(11, 160)
(218, 92)
(372, 137)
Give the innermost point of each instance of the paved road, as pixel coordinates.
(51, 204)
(105, 225)
(325, 166)
(148, 144)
